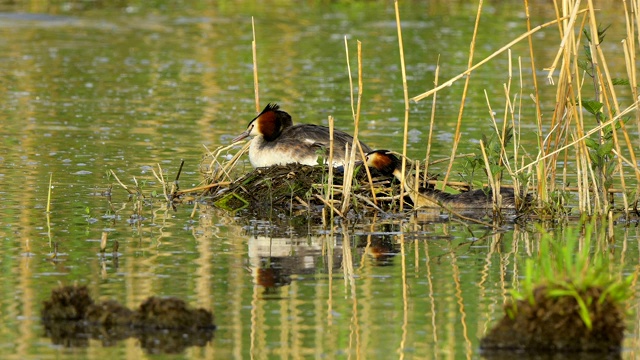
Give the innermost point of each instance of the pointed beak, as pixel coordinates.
(241, 136)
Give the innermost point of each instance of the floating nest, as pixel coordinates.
(295, 188)
(553, 324)
(163, 325)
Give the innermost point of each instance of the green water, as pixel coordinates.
(89, 87)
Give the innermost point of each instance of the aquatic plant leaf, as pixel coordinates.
(583, 65)
(605, 149)
(619, 291)
(591, 144)
(592, 106)
(449, 189)
(620, 81)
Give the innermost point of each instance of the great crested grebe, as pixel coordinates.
(388, 164)
(277, 141)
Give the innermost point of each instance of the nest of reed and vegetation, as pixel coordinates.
(296, 189)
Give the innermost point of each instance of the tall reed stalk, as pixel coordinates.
(349, 165)
(431, 123)
(406, 104)
(254, 52)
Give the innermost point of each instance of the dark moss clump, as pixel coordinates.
(67, 303)
(553, 323)
(71, 318)
(170, 313)
(109, 313)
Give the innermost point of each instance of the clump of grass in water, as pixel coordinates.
(569, 301)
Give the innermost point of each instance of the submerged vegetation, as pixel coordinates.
(568, 301)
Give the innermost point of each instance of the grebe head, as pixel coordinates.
(269, 123)
(383, 161)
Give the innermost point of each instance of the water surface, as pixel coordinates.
(94, 87)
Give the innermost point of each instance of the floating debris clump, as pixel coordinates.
(71, 318)
(67, 303)
(170, 313)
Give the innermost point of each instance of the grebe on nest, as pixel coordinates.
(389, 165)
(277, 141)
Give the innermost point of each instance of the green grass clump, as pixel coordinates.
(571, 299)
(570, 265)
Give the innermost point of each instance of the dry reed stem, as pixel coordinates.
(614, 98)
(160, 179)
(349, 165)
(204, 187)
(431, 121)
(507, 108)
(541, 176)
(576, 189)
(356, 144)
(517, 134)
(329, 194)
(121, 184)
(224, 168)
(457, 135)
(357, 124)
(492, 182)
(633, 165)
(629, 46)
(581, 138)
(563, 110)
(631, 74)
(302, 202)
(103, 241)
(406, 103)
(254, 52)
(416, 180)
(565, 39)
(369, 202)
(49, 193)
(581, 180)
(330, 205)
(616, 109)
(356, 113)
(487, 59)
(347, 179)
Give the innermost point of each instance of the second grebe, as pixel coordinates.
(388, 164)
(277, 141)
